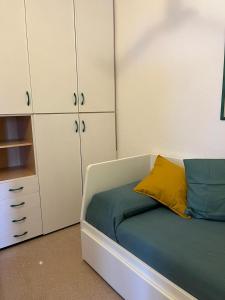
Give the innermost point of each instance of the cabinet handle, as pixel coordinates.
(75, 99)
(17, 189)
(28, 98)
(77, 126)
(82, 99)
(19, 220)
(17, 205)
(84, 126)
(19, 235)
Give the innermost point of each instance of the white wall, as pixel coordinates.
(169, 77)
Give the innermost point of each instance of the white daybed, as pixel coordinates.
(136, 279)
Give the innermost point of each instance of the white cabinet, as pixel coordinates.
(98, 141)
(51, 41)
(65, 49)
(14, 70)
(58, 155)
(95, 55)
(59, 42)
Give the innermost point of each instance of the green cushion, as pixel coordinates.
(206, 188)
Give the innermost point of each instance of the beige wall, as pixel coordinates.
(169, 77)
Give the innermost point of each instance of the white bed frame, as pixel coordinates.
(128, 275)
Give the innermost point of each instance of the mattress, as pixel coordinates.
(108, 209)
(190, 253)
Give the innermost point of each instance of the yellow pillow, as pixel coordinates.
(166, 184)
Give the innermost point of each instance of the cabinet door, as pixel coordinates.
(59, 168)
(95, 48)
(14, 70)
(98, 142)
(51, 40)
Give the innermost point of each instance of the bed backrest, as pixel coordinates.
(111, 174)
(108, 175)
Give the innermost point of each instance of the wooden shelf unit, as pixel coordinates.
(16, 147)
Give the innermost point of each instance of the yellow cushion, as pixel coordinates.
(166, 183)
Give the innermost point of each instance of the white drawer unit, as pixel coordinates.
(20, 219)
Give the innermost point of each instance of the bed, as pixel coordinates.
(157, 254)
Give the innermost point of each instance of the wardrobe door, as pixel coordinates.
(14, 70)
(59, 169)
(95, 48)
(51, 41)
(98, 142)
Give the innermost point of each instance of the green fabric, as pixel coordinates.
(190, 253)
(206, 188)
(107, 209)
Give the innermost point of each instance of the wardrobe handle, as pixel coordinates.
(82, 99)
(77, 126)
(19, 235)
(17, 205)
(28, 98)
(84, 126)
(17, 189)
(19, 220)
(75, 99)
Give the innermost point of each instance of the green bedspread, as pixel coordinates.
(108, 209)
(191, 253)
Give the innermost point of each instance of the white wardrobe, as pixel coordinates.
(56, 68)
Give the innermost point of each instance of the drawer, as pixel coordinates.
(12, 189)
(27, 221)
(15, 208)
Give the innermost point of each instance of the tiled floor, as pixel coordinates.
(50, 267)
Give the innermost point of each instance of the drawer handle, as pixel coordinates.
(17, 189)
(16, 205)
(19, 235)
(19, 220)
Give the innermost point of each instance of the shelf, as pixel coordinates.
(16, 147)
(16, 172)
(14, 144)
